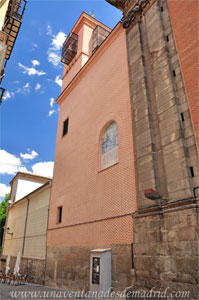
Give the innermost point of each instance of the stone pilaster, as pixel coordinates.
(166, 233)
(165, 150)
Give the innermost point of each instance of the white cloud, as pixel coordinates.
(8, 95)
(24, 89)
(56, 45)
(51, 112)
(35, 46)
(44, 168)
(58, 80)
(30, 71)
(53, 58)
(35, 62)
(58, 40)
(24, 170)
(30, 155)
(9, 163)
(52, 100)
(37, 87)
(4, 189)
(49, 30)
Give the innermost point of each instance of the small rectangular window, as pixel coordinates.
(65, 127)
(192, 171)
(59, 214)
(182, 117)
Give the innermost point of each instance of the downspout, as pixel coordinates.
(26, 220)
(45, 263)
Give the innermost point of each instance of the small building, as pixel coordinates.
(26, 224)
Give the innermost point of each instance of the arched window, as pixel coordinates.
(109, 146)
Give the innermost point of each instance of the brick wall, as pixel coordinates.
(94, 201)
(97, 204)
(185, 24)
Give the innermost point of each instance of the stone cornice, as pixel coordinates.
(170, 206)
(120, 4)
(85, 19)
(136, 12)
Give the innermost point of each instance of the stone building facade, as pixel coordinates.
(162, 43)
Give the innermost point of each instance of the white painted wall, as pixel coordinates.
(24, 186)
(3, 10)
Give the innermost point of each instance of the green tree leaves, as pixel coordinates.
(3, 213)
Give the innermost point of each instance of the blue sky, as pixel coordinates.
(29, 114)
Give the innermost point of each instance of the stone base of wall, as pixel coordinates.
(166, 249)
(69, 267)
(34, 268)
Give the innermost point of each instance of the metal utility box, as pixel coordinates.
(100, 270)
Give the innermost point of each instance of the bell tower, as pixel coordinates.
(85, 37)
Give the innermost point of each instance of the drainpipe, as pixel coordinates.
(45, 263)
(44, 280)
(27, 209)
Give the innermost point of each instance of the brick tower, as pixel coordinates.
(93, 194)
